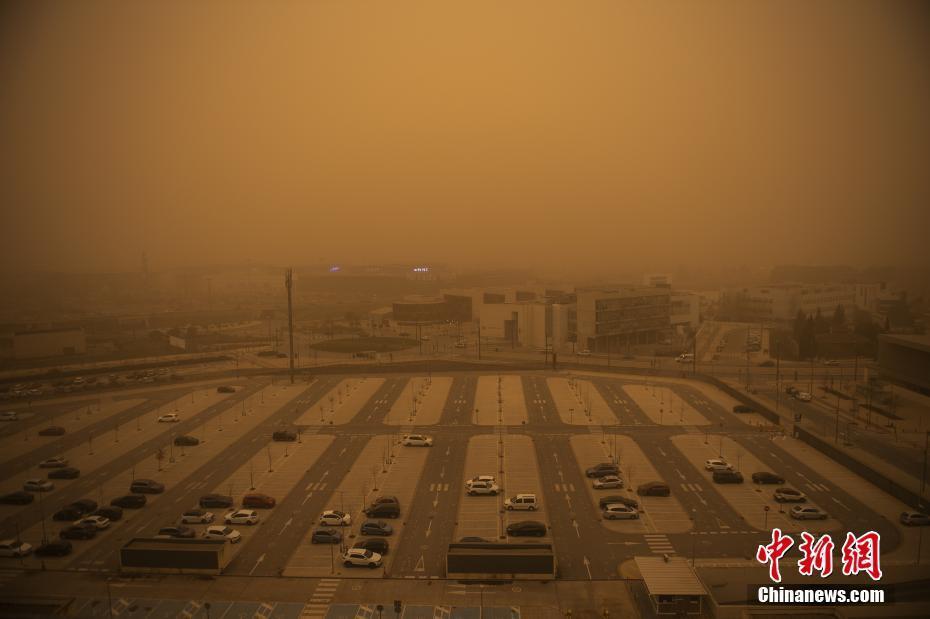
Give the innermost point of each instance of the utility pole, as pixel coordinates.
(288, 283)
(479, 338)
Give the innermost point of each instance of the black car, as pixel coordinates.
(180, 532)
(76, 531)
(654, 488)
(728, 477)
(146, 486)
(129, 501)
(52, 431)
(86, 506)
(764, 477)
(284, 436)
(742, 408)
(68, 514)
(68, 472)
(378, 545)
(225, 389)
(185, 440)
(326, 536)
(54, 548)
(602, 469)
(383, 510)
(112, 512)
(216, 500)
(20, 497)
(376, 527)
(616, 498)
(526, 528)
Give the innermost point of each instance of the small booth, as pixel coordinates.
(672, 586)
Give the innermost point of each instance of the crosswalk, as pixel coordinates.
(659, 544)
(564, 487)
(816, 486)
(439, 487)
(692, 487)
(321, 599)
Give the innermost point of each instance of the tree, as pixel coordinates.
(839, 316)
(799, 326)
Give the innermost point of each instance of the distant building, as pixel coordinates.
(421, 310)
(781, 302)
(684, 311)
(40, 343)
(621, 316)
(657, 280)
(905, 359)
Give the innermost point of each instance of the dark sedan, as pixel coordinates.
(129, 501)
(112, 512)
(526, 528)
(54, 548)
(616, 498)
(67, 514)
(654, 488)
(52, 431)
(216, 500)
(602, 469)
(20, 497)
(180, 532)
(378, 545)
(67, 472)
(764, 477)
(186, 440)
(326, 536)
(77, 531)
(376, 527)
(146, 486)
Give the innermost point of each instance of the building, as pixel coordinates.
(781, 302)
(619, 317)
(685, 311)
(421, 310)
(905, 359)
(657, 280)
(40, 343)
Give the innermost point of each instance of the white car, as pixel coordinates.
(619, 511)
(14, 548)
(804, 396)
(417, 440)
(9, 416)
(807, 512)
(99, 522)
(360, 557)
(480, 478)
(334, 517)
(38, 485)
(717, 464)
(482, 487)
(522, 501)
(53, 463)
(197, 516)
(584, 353)
(169, 418)
(225, 533)
(608, 481)
(242, 516)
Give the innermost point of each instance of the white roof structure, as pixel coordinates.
(672, 577)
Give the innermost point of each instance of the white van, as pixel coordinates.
(522, 501)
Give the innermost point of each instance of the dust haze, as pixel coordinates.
(562, 136)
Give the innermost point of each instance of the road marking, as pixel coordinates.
(587, 566)
(260, 559)
(307, 498)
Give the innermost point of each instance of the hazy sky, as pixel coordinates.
(580, 134)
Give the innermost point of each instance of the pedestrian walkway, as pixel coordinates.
(659, 544)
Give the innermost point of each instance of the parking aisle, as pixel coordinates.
(420, 402)
(500, 399)
(342, 403)
(664, 406)
(521, 474)
(747, 498)
(569, 396)
(624, 409)
(481, 516)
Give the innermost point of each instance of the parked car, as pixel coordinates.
(376, 527)
(111, 512)
(100, 522)
(53, 463)
(258, 500)
(169, 418)
(917, 519)
(242, 516)
(803, 396)
(376, 545)
(727, 477)
(768, 363)
(129, 501)
(186, 440)
(619, 511)
(226, 389)
(483, 487)
(386, 498)
(807, 512)
(383, 510)
(742, 408)
(616, 498)
(38, 485)
(522, 501)
(68, 472)
(179, 532)
(197, 516)
(85, 506)
(14, 548)
(78, 532)
(146, 486)
(717, 464)
(359, 557)
(478, 478)
(285, 436)
(325, 536)
(216, 500)
(67, 514)
(789, 495)
(52, 431)
(334, 517)
(54, 548)
(602, 469)
(607, 481)
(765, 477)
(830, 362)
(526, 528)
(20, 497)
(9, 416)
(654, 488)
(584, 353)
(417, 440)
(221, 532)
